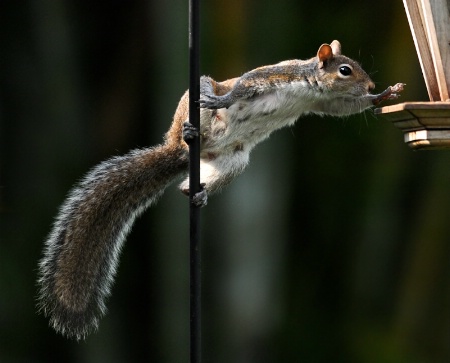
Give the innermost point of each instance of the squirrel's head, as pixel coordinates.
(340, 74)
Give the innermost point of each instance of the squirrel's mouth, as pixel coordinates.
(370, 87)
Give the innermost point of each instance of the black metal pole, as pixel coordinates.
(194, 184)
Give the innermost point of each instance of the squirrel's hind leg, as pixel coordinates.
(218, 171)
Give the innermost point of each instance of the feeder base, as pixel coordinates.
(425, 125)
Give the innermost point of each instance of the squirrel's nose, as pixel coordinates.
(371, 86)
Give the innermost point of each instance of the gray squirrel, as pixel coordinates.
(81, 253)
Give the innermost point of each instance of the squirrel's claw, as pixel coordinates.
(391, 93)
(199, 199)
(398, 87)
(213, 102)
(208, 97)
(190, 132)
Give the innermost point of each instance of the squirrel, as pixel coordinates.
(81, 252)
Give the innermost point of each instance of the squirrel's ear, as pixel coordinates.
(324, 54)
(336, 47)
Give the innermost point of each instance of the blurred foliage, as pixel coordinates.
(334, 245)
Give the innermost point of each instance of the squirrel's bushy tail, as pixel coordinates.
(81, 252)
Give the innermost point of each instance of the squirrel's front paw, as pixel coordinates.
(214, 102)
(391, 93)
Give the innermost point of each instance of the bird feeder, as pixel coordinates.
(426, 125)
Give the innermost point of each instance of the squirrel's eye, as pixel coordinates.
(345, 70)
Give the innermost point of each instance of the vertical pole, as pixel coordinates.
(194, 184)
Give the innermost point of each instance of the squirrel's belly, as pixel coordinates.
(248, 122)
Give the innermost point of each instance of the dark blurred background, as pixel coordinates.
(334, 245)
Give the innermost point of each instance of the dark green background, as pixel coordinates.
(334, 245)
